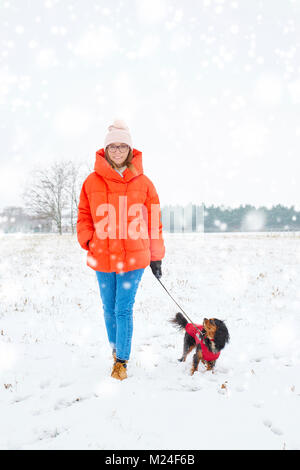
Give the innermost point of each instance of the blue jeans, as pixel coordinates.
(118, 295)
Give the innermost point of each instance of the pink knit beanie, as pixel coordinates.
(118, 132)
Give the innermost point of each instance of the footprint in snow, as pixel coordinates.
(45, 384)
(223, 370)
(20, 399)
(194, 389)
(49, 433)
(277, 431)
(274, 429)
(67, 403)
(65, 384)
(62, 404)
(257, 359)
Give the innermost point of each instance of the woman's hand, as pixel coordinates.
(156, 268)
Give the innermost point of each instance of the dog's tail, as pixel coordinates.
(179, 321)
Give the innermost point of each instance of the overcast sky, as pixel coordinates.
(209, 88)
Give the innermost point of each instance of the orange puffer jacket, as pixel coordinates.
(112, 234)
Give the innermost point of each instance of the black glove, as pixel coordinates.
(156, 268)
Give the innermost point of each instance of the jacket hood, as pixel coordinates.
(104, 169)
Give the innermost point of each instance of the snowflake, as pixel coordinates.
(126, 285)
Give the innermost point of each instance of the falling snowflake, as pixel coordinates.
(254, 221)
(126, 285)
(92, 261)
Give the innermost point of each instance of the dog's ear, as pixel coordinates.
(222, 335)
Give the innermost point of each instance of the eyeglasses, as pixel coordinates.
(113, 148)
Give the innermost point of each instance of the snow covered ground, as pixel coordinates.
(55, 386)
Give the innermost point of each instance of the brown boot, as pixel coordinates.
(119, 370)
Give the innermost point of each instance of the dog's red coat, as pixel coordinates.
(206, 353)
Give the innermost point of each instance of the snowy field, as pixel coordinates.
(55, 386)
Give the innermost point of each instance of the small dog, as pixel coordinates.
(209, 341)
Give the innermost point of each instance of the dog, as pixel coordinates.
(209, 340)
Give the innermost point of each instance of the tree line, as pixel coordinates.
(51, 200)
(245, 218)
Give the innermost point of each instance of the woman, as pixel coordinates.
(119, 224)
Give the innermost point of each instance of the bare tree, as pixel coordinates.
(73, 190)
(78, 171)
(53, 193)
(46, 196)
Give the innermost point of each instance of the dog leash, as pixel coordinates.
(201, 334)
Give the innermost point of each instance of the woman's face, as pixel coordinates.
(118, 152)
